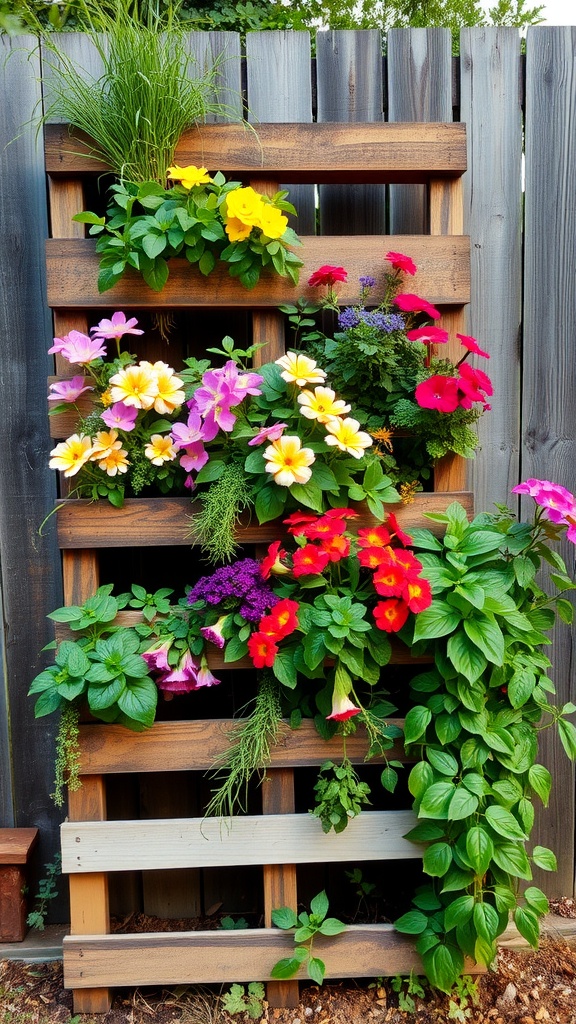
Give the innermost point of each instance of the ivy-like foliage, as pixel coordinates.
(474, 725)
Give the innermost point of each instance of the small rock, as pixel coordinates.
(509, 994)
(318, 1008)
(535, 993)
(527, 1020)
(308, 1011)
(542, 1014)
(296, 1020)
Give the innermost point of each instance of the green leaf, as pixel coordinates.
(567, 733)
(527, 924)
(284, 668)
(437, 859)
(504, 823)
(479, 849)
(465, 656)
(436, 800)
(521, 687)
(47, 703)
(424, 832)
(447, 728)
(415, 723)
(319, 905)
(513, 860)
(420, 779)
(443, 965)
(487, 636)
(458, 912)
(442, 761)
(544, 858)
(138, 701)
(389, 779)
(462, 804)
(308, 494)
(316, 970)
(332, 926)
(541, 781)
(206, 263)
(536, 899)
(288, 966)
(437, 620)
(412, 923)
(486, 921)
(284, 917)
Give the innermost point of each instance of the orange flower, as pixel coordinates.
(391, 615)
(418, 595)
(281, 621)
(262, 650)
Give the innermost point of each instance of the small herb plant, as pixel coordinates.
(47, 891)
(340, 795)
(307, 927)
(406, 988)
(245, 999)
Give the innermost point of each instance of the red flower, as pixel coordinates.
(371, 558)
(327, 275)
(391, 615)
(298, 521)
(418, 595)
(389, 580)
(438, 392)
(428, 335)
(373, 537)
(272, 562)
(404, 538)
(340, 513)
(281, 621)
(472, 345)
(262, 650)
(401, 262)
(410, 303)
(325, 527)
(337, 547)
(409, 564)
(343, 709)
(473, 383)
(310, 560)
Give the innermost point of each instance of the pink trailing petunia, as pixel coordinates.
(68, 390)
(194, 457)
(268, 434)
(327, 275)
(79, 348)
(156, 657)
(120, 416)
(559, 504)
(410, 303)
(181, 679)
(438, 392)
(189, 433)
(401, 262)
(204, 676)
(428, 335)
(116, 327)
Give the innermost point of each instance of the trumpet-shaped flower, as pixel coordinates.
(472, 345)
(120, 416)
(70, 455)
(342, 708)
(170, 395)
(204, 676)
(156, 657)
(214, 633)
(300, 369)
(321, 404)
(79, 348)
(559, 503)
(410, 303)
(189, 176)
(160, 450)
(288, 461)
(135, 385)
(116, 327)
(272, 563)
(181, 679)
(346, 435)
(68, 390)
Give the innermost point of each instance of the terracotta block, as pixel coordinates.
(12, 904)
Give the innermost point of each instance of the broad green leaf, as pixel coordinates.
(486, 921)
(420, 779)
(415, 723)
(269, 503)
(288, 966)
(462, 804)
(437, 859)
(47, 703)
(316, 970)
(544, 858)
(442, 761)
(541, 781)
(436, 800)
(465, 656)
(456, 880)
(319, 905)
(475, 783)
(443, 965)
(504, 823)
(487, 636)
(458, 912)
(284, 668)
(512, 858)
(536, 899)
(138, 701)
(332, 926)
(284, 917)
(437, 620)
(424, 832)
(505, 899)
(479, 848)
(412, 923)
(567, 733)
(521, 687)
(527, 924)
(447, 728)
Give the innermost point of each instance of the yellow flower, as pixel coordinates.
(346, 436)
(245, 204)
(288, 461)
(272, 221)
(159, 449)
(321, 404)
(236, 230)
(70, 455)
(169, 396)
(105, 398)
(105, 442)
(299, 369)
(136, 386)
(115, 460)
(189, 176)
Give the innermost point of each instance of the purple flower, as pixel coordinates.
(181, 679)
(348, 318)
(115, 327)
(386, 322)
(68, 390)
(79, 348)
(268, 434)
(120, 417)
(205, 676)
(214, 633)
(367, 281)
(240, 583)
(195, 456)
(157, 656)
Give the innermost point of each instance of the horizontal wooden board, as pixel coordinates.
(89, 846)
(213, 957)
(162, 522)
(443, 276)
(16, 843)
(296, 152)
(196, 746)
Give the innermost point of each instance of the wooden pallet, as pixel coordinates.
(433, 154)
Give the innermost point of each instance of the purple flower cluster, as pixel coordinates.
(242, 581)
(385, 322)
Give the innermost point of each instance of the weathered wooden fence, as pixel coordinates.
(523, 305)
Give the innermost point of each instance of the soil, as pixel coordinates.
(524, 988)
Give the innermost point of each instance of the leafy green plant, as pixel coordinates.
(229, 924)
(340, 795)
(307, 927)
(407, 988)
(245, 999)
(47, 891)
(463, 997)
(474, 725)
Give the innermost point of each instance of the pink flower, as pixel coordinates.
(342, 709)
(186, 434)
(428, 335)
(327, 275)
(181, 679)
(410, 303)
(268, 434)
(438, 392)
(120, 417)
(559, 503)
(472, 345)
(214, 633)
(79, 348)
(115, 327)
(473, 384)
(157, 656)
(68, 390)
(401, 262)
(205, 676)
(194, 458)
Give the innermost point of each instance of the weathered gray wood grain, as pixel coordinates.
(549, 363)
(349, 76)
(490, 106)
(223, 50)
(79, 54)
(419, 89)
(30, 564)
(279, 86)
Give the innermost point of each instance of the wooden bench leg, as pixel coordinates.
(279, 879)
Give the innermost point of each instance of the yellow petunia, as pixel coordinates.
(159, 450)
(321, 404)
(135, 385)
(346, 436)
(245, 205)
(236, 230)
(70, 455)
(189, 176)
(288, 461)
(272, 222)
(299, 369)
(170, 395)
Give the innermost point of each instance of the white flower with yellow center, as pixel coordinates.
(115, 461)
(160, 449)
(135, 385)
(170, 396)
(70, 455)
(288, 461)
(300, 369)
(321, 404)
(345, 434)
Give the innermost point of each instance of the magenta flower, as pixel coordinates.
(195, 456)
(181, 679)
(401, 262)
(559, 503)
(473, 385)
(115, 327)
(472, 345)
(240, 384)
(68, 390)
(410, 303)
(79, 348)
(438, 392)
(214, 633)
(205, 676)
(268, 434)
(120, 417)
(157, 656)
(428, 335)
(189, 433)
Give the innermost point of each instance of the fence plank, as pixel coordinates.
(419, 89)
(78, 49)
(549, 410)
(222, 49)
(490, 105)
(349, 75)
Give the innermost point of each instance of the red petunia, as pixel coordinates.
(371, 558)
(410, 303)
(389, 580)
(404, 538)
(297, 521)
(401, 262)
(373, 537)
(310, 560)
(408, 562)
(438, 392)
(474, 384)
(428, 335)
(418, 595)
(272, 562)
(472, 345)
(327, 275)
(391, 615)
(281, 621)
(262, 650)
(341, 513)
(338, 547)
(326, 526)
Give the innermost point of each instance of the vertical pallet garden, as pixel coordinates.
(278, 839)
